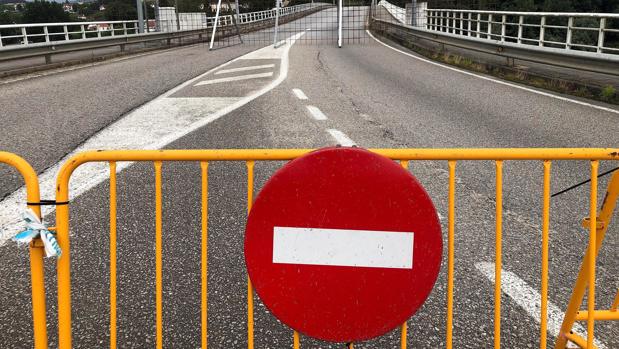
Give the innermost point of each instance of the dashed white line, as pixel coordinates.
(300, 95)
(254, 67)
(530, 300)
(316, 113)
(341, 138)
(610, 110)
(235, 78)
(128, 133)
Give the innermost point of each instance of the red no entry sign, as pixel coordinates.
(343, 244)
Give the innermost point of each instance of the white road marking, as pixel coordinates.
(255, 67)
(53, 71)
(235, 78)
(299, 94)
(340, 247)
(610, 110)
(151, 126)
(316, 113)
(530, 300)
(341, 138)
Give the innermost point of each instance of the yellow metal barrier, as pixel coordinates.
(36, 249)
(597, 225)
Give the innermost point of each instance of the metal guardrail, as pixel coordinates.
(29, 34)
(458, 36)
(45, 33)
(584, 31)
(396, 11)
(107, 38)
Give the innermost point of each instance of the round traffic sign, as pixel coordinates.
(343, 244)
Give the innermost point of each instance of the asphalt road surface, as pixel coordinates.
(366, 94)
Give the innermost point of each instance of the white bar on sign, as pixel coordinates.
(342, 247)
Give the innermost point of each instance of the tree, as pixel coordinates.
(119, 10)
(9, 17)
(41, 11)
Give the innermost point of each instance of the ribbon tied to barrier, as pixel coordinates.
(34, 228)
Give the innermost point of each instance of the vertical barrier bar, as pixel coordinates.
(24, 35)
(403, 328)
(339, 22)
(403, 335)
(276, 23)
(601, 35)
(479, 25)
(503, 27)
(38, 289)
(568, 39)
(545, 231)
(489, 26)
(46, 32)
(520, 27)
(250, 291)
(470, 17)
(112, 255)
(204, 291)
(63, 264)
(295, 340)
(542, 31)
(592, 252)
(158, 257)
(215, 24)
(450, 252)
(498, 254)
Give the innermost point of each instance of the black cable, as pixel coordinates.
(583, 183)
(47, 203)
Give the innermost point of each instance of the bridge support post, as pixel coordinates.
(138, 5)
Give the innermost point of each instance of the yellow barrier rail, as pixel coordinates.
(36, 248)
(597, 225)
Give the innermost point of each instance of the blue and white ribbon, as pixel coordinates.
(34, 228)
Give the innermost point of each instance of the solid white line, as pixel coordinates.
(316, 113)
(255, 67)
(235, 78)
(299, 93)
(90, 175)
(342, 247)
(341, 138)
(610, 110)
(530, 300)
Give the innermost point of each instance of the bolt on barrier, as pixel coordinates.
(597, 223)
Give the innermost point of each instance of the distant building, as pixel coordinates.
(67, 7)
(224, 6)
(102, 8)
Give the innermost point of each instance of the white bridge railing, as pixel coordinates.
(27, 34)
(396, 11)
(585, 31)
